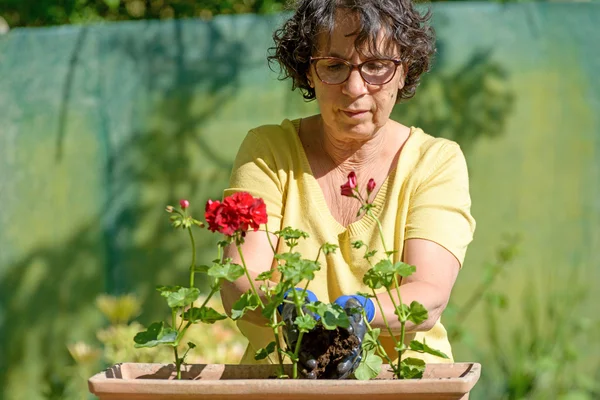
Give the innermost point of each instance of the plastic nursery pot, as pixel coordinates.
(138, 381)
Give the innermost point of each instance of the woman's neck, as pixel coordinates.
(353, 155)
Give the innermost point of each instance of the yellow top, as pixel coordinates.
(426, 196)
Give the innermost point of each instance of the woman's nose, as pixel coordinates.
(355, 85)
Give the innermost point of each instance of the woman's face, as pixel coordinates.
(353, 110)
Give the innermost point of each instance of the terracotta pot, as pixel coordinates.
(137, 381)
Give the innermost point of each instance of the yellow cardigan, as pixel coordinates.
(426, 196)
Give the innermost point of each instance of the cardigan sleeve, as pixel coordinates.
(440, 208)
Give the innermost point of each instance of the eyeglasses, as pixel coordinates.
(335, 71)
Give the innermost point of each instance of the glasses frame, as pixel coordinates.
(356, 66)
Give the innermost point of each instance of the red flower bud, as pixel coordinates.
(347, 190)
(184, 204)
(348, 187)
(352, 180)
(371, 186)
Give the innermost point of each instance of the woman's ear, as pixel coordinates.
(403, 74)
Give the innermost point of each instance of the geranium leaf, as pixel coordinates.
(263, 353)
(412, 368)
(384, 266)
(183, 297)
(247, 301)
(370, 339)
(155, 334)
(404, 269)
(265, 276)
(270, 307)
(329, 248)
(226, 270)
(357, 244)
(305, 323)
(424, 348)
(372, 279)
(369, 367)
(369, 254)
(165, 291)
(417, 313)
(207, 315)
(289, 233)
(203, 269)
(332, 315)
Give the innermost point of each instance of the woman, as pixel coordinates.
(357, 58)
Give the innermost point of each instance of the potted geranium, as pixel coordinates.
(408, 378)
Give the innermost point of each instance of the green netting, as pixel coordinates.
(103, 125)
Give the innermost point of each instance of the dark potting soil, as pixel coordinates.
(332, 347)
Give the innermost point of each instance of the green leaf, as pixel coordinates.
(332, 315)
(288, 233)
(423, 348)
(182, 297)
(370, 339)
(358, 244)
(369, 254)
(155, 334)
(372, 279)
(305, 323)
(226, 270)
(270, 307)
(265, 276)
(412, 368)
(369, 367)
(404, 269)
(384, 267)
(202, 269)
(329, 248)
(296, 270)
(165, 291)
(263, 353)
(207, 315)
(248, 301)
(417, 313)
(223, 243)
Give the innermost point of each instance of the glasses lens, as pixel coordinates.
(378, 72)
(332, 71)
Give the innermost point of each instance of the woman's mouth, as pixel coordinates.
(355, 113)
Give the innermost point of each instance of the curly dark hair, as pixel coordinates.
(296, 40)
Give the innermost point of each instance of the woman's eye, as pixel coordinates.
(335, 67)
(374, 66)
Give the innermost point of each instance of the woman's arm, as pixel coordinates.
(430, 285)
(258, 256)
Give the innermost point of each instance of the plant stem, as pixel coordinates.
(402, 319)
(269, 238)
(379, 227)
(383, 316)
(295, 360)
(239, 249)
(193, 265)
(299, 311)
(177, 364)
(379, 346)
(277, 345)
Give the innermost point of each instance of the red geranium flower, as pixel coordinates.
(237, 213)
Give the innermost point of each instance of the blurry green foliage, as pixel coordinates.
(53, 12)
